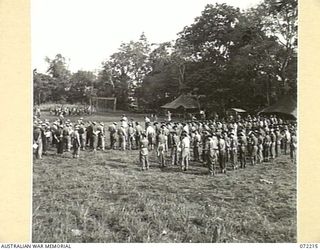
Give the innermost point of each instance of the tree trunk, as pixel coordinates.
(268, 90)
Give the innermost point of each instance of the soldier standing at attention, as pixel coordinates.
(146, 122)
(45, 141)
(205, 147)
(287, 139)
(233, 151)
(212, 152)
(222, 153)
(89, 135)
(37, 140)
(101, 136)
(161, 148)
(113, 135)
(293, 146)
(75, 138)
(59, 138)
(131, 136)
(266, 146)
(66, 137)
(122, 138)
(82, 135)
(185, 151)
(54, 128)
(174, 148)
(144, 152)
(272, 144)
(278, 141)
(254, 149)
(166, 133)
(151, 133)
(95, 134)
(196, 146)
(227, 141)
(260, 148)
(138, 133)
(243, 149)
(124, 121)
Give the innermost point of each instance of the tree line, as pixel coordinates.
(227, 57)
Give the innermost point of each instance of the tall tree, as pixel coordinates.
(129, 67)
(209, 38)
(42, 91)
(278, 19)
(80, 81)
(58, 70)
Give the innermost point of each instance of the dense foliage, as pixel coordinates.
(227, 57)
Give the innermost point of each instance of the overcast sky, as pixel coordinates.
(87, 32)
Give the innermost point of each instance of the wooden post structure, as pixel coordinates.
(114, 103)
(90, 105)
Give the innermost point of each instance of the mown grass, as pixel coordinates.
(104, 197)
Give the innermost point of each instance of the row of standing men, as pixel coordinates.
(213, 143)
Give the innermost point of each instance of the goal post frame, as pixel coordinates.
(95, 98)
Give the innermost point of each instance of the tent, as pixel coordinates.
(237, 110)
(287, 105)
(184, 101)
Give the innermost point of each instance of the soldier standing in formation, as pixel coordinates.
(144, 152)
(222, 142)
(185, 151)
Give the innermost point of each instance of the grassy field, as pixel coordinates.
(104, 197)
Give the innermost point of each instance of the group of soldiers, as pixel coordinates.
(71, 110)
(215, 143)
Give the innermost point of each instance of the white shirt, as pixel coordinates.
(150, 130)
(185, 143)
(186, 128)
(124, 122)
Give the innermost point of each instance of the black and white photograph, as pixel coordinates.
(164, 121)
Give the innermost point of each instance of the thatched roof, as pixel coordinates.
(185, 101)
(287, 105)
(238, 110)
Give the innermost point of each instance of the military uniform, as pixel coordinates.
(82, 136)
(222, 154)
(131, 136)
(174, 149)
(113, 135)
(293, 147)
(243, 143)
(122, 138)
(59, 138)
(89, 136)
(212, 154)
(254, 149)
(233, 151)
(161, 149)
(66, 138)
(37, 141)
(278, 142)
(273, 145)
(151, 136)
(144, 153)
(266, 147)
(196, 146)
(75, 138)
(260, 148)
(101, 137)
(138, 133)
(185, 152)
